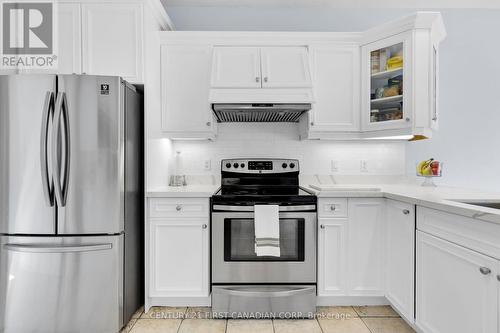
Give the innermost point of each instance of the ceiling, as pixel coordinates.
(336, 3)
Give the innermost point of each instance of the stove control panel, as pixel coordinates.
(260, 165)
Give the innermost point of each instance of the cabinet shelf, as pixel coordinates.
(386, 100)
(388, 74)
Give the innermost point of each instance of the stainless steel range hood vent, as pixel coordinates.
(278, 113)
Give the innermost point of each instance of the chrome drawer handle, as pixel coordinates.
(178, 208)
(485, 270)
(204, 226)
(406, 211)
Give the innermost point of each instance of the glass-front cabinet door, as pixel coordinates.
(387, 83)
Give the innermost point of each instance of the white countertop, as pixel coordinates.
(432, 197)
(189, 191)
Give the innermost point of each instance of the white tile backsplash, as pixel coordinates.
(280, 140)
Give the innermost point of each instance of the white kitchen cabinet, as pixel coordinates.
(332, 256)
(185, 77)
(394, 111)
(285, 67)
(70, 38)
(366, 247)
(179, 258)
(112, 36)
(336, 81)
(177, 252)
(457, 289)
(236, 67)
(400, 99)
(400, 257)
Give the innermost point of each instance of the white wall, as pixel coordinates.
(469, 134)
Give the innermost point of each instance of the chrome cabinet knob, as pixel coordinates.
(406, 211)
(407, 119)
(265, 79)
(257, 79)
(333, 208)
(498, 277)
(204, 226)
(209, 123)
(485, 270)
(178, 208)
(312, 123)
(322, 226)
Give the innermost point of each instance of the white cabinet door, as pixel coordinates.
(179, 258)
(453, 295)
(236, 67)
(335, 71)
(112, 40)
(70, 38)
(185, 75)
(285, 67)
(366, 247)
(382, 108)
(400, 257)
(332, 256)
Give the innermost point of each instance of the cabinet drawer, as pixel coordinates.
(332, 207)
(477, 235)
(174, 207)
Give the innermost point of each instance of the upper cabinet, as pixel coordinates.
(336, 82)
(104, 38)
(387, 83)
(400, 79)
(381, 83)
(185, 76)
(285, 67)
(112, 37)
(236, 67)
(260, 67)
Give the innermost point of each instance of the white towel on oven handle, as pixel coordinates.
(267, 230)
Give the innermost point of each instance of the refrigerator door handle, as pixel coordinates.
(32, 248)
(48, 113)
(61, 111)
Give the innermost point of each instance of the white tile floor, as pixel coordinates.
(362, 319)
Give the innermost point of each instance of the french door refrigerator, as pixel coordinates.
(70, 203)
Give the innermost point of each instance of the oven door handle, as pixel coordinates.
(283, 293)
(251, 208)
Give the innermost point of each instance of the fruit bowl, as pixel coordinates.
(429, 169)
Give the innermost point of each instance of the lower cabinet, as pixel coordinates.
(351, 247)
(457, 289)
(366, 247)
(400, 257)
(178, 254)
(332, 257)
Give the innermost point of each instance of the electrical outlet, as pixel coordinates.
(335, 166)
(363, 167)
(207, 165)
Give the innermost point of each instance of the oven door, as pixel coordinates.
(233, 249)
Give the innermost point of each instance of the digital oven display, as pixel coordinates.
(260, 165)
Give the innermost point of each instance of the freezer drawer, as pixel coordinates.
(264, 301)
(61, 284)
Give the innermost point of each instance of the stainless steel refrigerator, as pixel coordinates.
(71, 236)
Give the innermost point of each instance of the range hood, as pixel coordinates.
(260, 112)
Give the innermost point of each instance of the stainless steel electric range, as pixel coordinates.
(242, 282)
